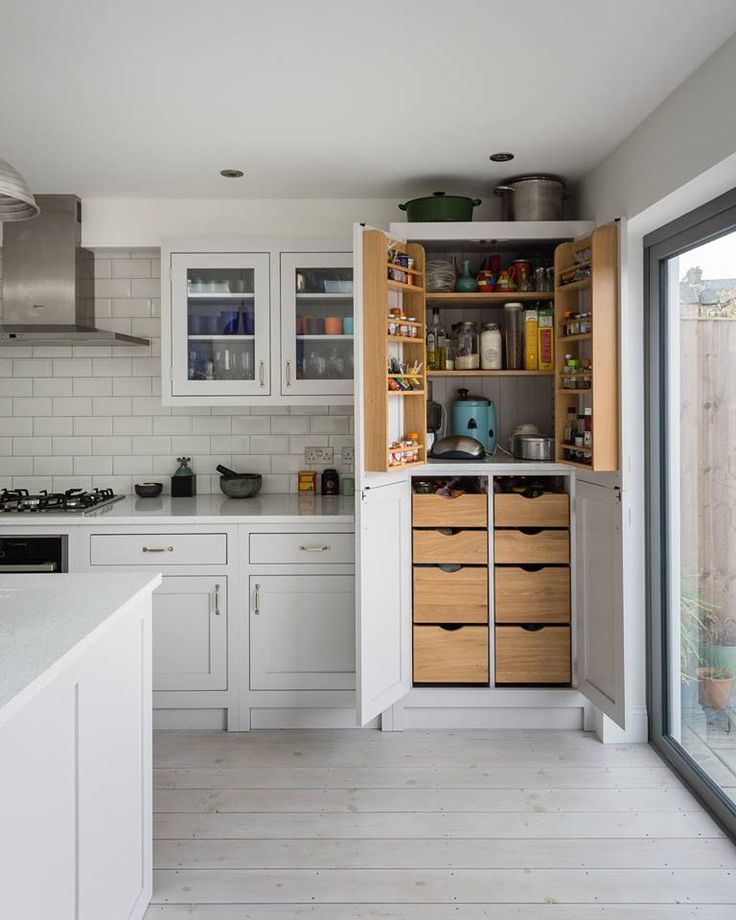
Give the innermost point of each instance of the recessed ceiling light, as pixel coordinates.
(501, 157)
(231, 173)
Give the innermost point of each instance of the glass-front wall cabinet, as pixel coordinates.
(317, 323)
(220, 324)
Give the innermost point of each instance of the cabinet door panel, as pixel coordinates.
(190, 633)
(316, 324)
(220, 324)
(302, 632)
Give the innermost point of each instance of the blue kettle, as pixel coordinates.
(475, 417)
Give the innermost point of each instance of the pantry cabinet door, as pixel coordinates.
(383, 634)
(600, 609)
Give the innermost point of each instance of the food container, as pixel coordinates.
(466, 347)
(338, 287)
(307, 481)
(539, 197)
(513, 320)
(440, 207)
(532, 447)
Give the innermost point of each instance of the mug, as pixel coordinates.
(315, 325)
(333, 325)
(229, 320)
(347, 325)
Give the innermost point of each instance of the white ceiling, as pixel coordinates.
(151, 98)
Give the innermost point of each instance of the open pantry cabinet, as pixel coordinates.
(394, 643)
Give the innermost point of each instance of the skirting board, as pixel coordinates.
(305, 718)
(184, 719)
(561, 719)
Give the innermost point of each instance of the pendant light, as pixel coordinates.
(16, 200)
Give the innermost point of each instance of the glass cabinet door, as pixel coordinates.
(317, 323)
(220, 324)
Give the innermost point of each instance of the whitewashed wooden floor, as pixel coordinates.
(337, 825)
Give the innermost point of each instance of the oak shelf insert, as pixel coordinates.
(481, 373)
(457, 299)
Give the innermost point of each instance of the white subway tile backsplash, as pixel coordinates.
(72, 446)
(92, 386)
(93, 425)
(47, 426)
(72, 367)
(111, 445)
(72, 405)
(97, 411)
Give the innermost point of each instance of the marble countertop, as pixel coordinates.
(205, 509)
(43, 618)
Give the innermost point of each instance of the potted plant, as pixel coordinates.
(716, 687)
(720, 649)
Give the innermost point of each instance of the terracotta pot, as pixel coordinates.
(716, 693)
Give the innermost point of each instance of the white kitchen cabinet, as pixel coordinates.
(190, 633)
(302, 632)
(316, 323)
(244, 321)
(218, 325)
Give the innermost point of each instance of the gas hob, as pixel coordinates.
(75, 501)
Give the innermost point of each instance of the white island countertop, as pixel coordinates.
(205, 509)
(45, 620)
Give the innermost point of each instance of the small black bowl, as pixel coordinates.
(148, 489)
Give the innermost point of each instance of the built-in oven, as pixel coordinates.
(40, 553)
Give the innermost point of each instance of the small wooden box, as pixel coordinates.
(551, 509)
(461, 511)
(541, 595)
(467, 547)
(450, 597)
(451, 656)
(543, 547)
(540, 656)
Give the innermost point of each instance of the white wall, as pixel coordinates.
(145, 221)
(679, 157)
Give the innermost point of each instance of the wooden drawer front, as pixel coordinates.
(304, 548)
(450, 597)
(551, 509)
(463, 511)
(541, 596)
(159, 549)
(451, 656)
(540, 656)
(464, 546)
(543, 547)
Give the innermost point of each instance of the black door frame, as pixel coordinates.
(712, 220)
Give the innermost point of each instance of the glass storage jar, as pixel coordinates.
(466, 347)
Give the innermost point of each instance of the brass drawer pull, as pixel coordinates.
(314, 547)
(217, 600)
(158, 549)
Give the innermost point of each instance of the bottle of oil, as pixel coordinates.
(436, 344)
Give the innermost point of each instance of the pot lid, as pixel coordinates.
(468, 400)
(543, 177)
(444, 196)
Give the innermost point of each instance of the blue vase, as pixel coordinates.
(466, 283)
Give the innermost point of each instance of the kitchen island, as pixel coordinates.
(75, 745)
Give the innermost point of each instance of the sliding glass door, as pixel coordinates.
(691, 269)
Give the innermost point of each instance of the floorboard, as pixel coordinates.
(331, 825)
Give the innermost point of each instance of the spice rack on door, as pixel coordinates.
(380, 293)
(595, 295)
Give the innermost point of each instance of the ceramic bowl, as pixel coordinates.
(148, 489)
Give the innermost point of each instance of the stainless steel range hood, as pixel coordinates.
(48, 295)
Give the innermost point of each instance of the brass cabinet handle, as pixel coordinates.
(217, 600)
(314, 547)
(158, 549)
(288, 373)
(262, 374)
(257, 600)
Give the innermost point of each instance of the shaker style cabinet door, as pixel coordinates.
(220, 324)
(316, 324)
(190, 633)
(302, 632)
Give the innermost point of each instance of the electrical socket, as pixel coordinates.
(348, 455)
(319, 454)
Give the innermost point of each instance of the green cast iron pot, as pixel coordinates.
(439, 207)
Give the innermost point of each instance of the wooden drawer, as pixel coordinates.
(450, 597)
(535, 547)
(451, 656)
(551, 509)
(462, 546)
(304, 548)
(534, 595)
(462, 511)
(532, 656)
(159, 549)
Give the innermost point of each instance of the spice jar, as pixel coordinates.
(466, 347)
